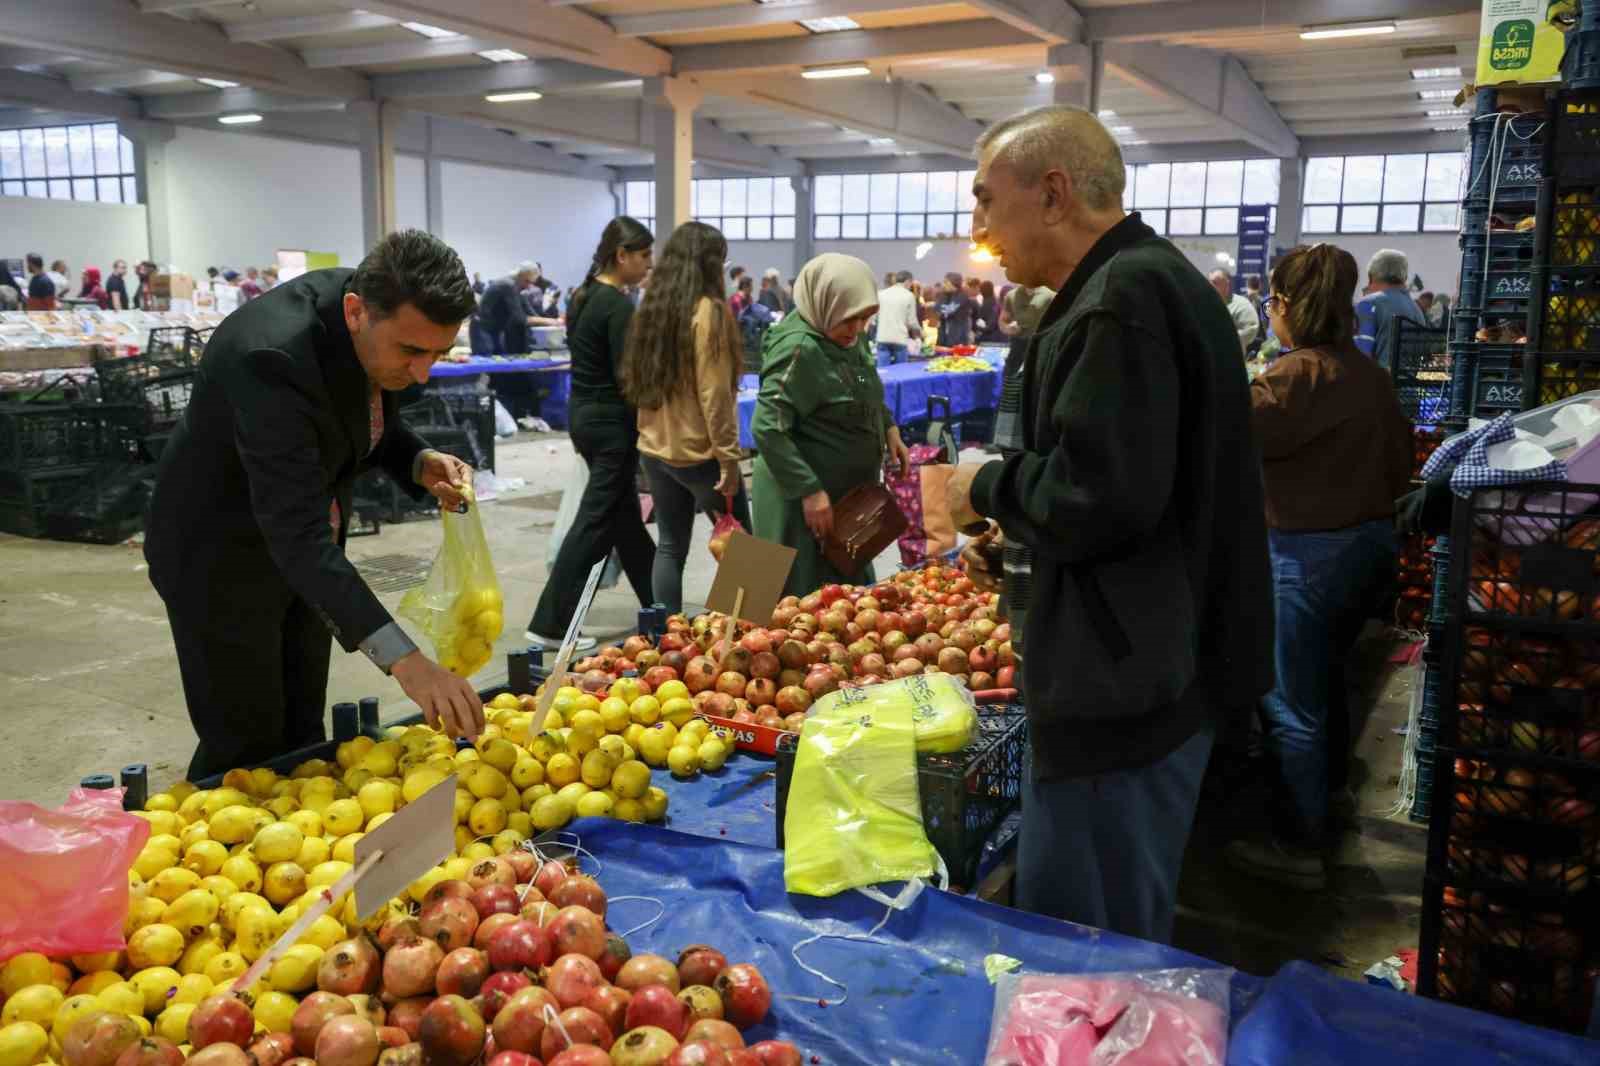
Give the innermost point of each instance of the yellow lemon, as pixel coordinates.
(613, 714)
(683, 760)
(487, 817)
(278, 842)
(343, 816)
(527, 772)
(198, 955)
(23, 970)
(243, 872)
(654, 802)
(372, 823)
(122, 998)
(485, 781)
(257, 930)
(499, 753)
(313, 852)
(344, 849)
(463, 805)
(219, 798)
(90, 984)
(614, 746)
(646, 710)
(71, 1010)
(713, 753)
(38, 1004)
(574, 792)
(381, 761)
(561, 770)
(192, 988)
(162, 823)
(282, 882)
(419, 781)
(141, 913)
(23, 1044)
(308, 822)
(378, 797)
(546, 746)
(191, 912)
(534, 793)
(193, 834)
(680, 712)
(628, 810)
(155, 945)
(594, 805)
(631, 779)
(324, 874)
(274, 1011)
(236, 905)
(173, 882)
(633, 734)
(226, 966)
(173, 1023)
(520, 823)
(295, 970)
(152, 861)
(598, 768)
(507, 840)
(551, 812)
(237, 824)
(477, 850)
(654, 746)
(205, 857)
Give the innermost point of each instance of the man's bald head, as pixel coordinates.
(1060, 138)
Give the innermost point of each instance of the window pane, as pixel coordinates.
(941, 225)
(855, 191)
(1402, 177)
(1156, 220)
(55, 152)
(854, 226)
(942, 190)
(1444, 176)
(1361, 219)
(880, 227)
(1152, 187)
(733, 227)
(1261, 181)
(10, 154)
(37, 187)
(783, 226)
(783, 198)
(964, 225)
(1222, 220)
(1363, 179)
(913, 192)
(130, 191)
(1188, 185)
(1224, 182)
(639, 198)
(707, 198)
(1320, 220)
(106, 157)
(714, 221)
(1401, 218)
(1323, 177)
(1272, 221)
(80, 147)
(60, 188)
(1438, 218)
(964, 200)
(884, 187)
(909, 226)
(760, 228)
(1129, 180)
(1180, 223)
(11, 188)
(827, 227)
(125, 148)
(733, 196)
(760, 196)
(33, 154)
(83, 188)
(826, 194)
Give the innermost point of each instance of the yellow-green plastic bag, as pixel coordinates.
(944, 715)
(854, 814)
(459, 607)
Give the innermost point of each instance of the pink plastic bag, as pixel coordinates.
(65, 889)
(1159, 1018)
(726, 526)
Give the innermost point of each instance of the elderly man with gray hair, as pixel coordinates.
(1137, 486)
(1246, 322)
(1388, 273)
(501, 325)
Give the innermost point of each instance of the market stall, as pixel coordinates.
(549, 377)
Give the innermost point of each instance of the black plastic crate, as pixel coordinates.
(1505, 219)
(107, 506)
(123, 379)
(179, 344)
(1497, 380)
(1497, 272)
(965, 796)
(1506, 163)
(1439, 554)
(166, 397)
(40, 436)
(1574, 159)
(1580, 63)
(1419, 362)
(1558, 375)
(28, 496)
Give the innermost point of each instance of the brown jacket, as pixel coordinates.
(1335, 448)
(701, 420)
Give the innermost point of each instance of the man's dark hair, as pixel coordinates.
(413, 267)
(902, 277)
(953, 278)
(35, 261)
(735, 272)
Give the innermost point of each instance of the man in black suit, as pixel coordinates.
(245, 541)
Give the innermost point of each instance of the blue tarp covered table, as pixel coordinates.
(918, 994)
(555, 378)
(906, 388)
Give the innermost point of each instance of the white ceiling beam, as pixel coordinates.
(1055, 21)
(282, 29)
(840, 151)
(30, 57)
(742, 16)
(1340, 127)
(169, 106)
(56, 94)
(532, 27)
(1154, 22)
(862, 46)
(157, 7)
(1332, 109)
(1374, 88)
(1214, 86)
(123, 79)
(770, 124)
(541, 74)
(802, 137)
(917, 119)
(368, 55)
(112, 31)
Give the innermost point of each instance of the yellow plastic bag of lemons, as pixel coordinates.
(854, 812)
(944, 715)
(459, 607)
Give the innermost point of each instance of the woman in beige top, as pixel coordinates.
(680, 368)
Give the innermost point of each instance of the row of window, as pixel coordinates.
(89, 162)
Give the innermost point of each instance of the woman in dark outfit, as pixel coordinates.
(605, 432)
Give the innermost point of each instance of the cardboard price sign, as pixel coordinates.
(749, 580)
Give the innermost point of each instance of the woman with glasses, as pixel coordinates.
(1336, 454)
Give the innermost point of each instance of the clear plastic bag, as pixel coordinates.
(459, 607)
(65, 889)
(1153, 1018)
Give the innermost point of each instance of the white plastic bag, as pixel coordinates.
(570, 497)
(504, 424)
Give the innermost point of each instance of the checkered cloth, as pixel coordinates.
(1467, 455)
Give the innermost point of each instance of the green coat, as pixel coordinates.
(819, 423)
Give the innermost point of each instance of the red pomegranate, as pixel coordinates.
(644, 970)
(221, 1019)
(491, 925)
(522, 945)
(659, 1006)
(616, 953)
(699, 1053)
(550, 874)
(647, 1046)
(409, 967)
(312, 1014)
(350, 967)
(572, 978)
(462, 973)
(699, 964)
(499, 987)
(577, 930)
(495, 871)
(611, 1003)
(452, 1032)
(520, 1024)
(449, 923)
(745, 995)
(717, 1032)
(702, 1002)
(348, 1041)
(493, 899)
(578, 1025)
(100, 1038)
(154, 1051)
(776, 1053)
(407, 1015)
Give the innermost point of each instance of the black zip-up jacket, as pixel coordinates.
(1139, 491)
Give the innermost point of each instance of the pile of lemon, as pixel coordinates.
(478, 618)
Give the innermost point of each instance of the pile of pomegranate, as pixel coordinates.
(923, 621)
(514, 966)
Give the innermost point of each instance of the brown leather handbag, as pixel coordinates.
(865, 522)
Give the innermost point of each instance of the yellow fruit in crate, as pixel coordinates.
(713, 753)
(122, 998)
(654, 746)
(581, 744)
(182, 790)
(256, 931)
(655, 804)
(520, 823)
(219, 798)
(205, 857)
(39, 1003)
(61, 976)
(283, 881)
(631, 779)
(274, 1011)
(646, 710)
(505, 701)
(143, 912)
(344, 849)
(551, 812)
(295, 971)
(672, 690)
(311, 768)
(152, 861)
(194, 834)
(219, 886)
(466, 756)
(487, 817)
(198, 955)
(381, 761)
(626, 689)
(527, 772)
(597, 769)
(419, 781)
(534, 794)
(243, 872)
(484, 781)
(614, 746)
(278, 842)
(23, 1044)
(308, 822)
(463, 805)
(155, 945)
(594, 805)
(166, 842)
(574, 792)
(613, 714)
(192, 988)
(239, 780)
(632, 735)
(546, 746)
(72, 1009)
(683, 760)
(162, 823)
(173, 1023)
(343, 816)
(355, 778)
(226, 967)
(191, 912)
(678, 712)
(378, 797)
(561, 770)
(507, 840)
(324, 874)
(90, 984)
(588, 721)
(192, 806)
(23, 970)
(315, 851)
(693, 731)
(628, 810)
(236, 905)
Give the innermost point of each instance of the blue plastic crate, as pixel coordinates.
(1496, 273)
(1506, 162)
(1486, 379)
(1440, 554)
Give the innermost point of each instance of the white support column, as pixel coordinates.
(1097, 75)
(1291, 182)
(150, 176)
(378, 128)
(804, 229)
(668, 119)
(433, 182)
(1071, 64)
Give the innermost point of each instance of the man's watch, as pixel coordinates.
(388, 646)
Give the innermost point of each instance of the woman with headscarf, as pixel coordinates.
(92, 289)
(820, 425)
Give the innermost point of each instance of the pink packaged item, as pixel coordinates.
(65, 889)
(1159, 1018)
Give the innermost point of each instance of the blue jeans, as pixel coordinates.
(1324, 584)
(890, 354)
(677, 493)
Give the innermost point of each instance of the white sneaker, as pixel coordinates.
(583, 643)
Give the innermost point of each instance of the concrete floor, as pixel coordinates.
(88, 683)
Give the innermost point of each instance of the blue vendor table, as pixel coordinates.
(917, 990)
(555, 378)
(906, 388)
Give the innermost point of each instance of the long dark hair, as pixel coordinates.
(622, 234)
(659, 357)
(1320, 282)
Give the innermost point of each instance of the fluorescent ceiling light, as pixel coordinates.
(1445, 112)
(218, 83)
(239, 120)
(1348, 29)
(433, 32)
(1044, 77)
(849, 70)
(501, 55)
(831, 25)
(1420, 73)
(1119, 131)
(1133, 144)
(1436, 94)
(1448, 129)
(512, 98)
(880, 141)
(1105, 116)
